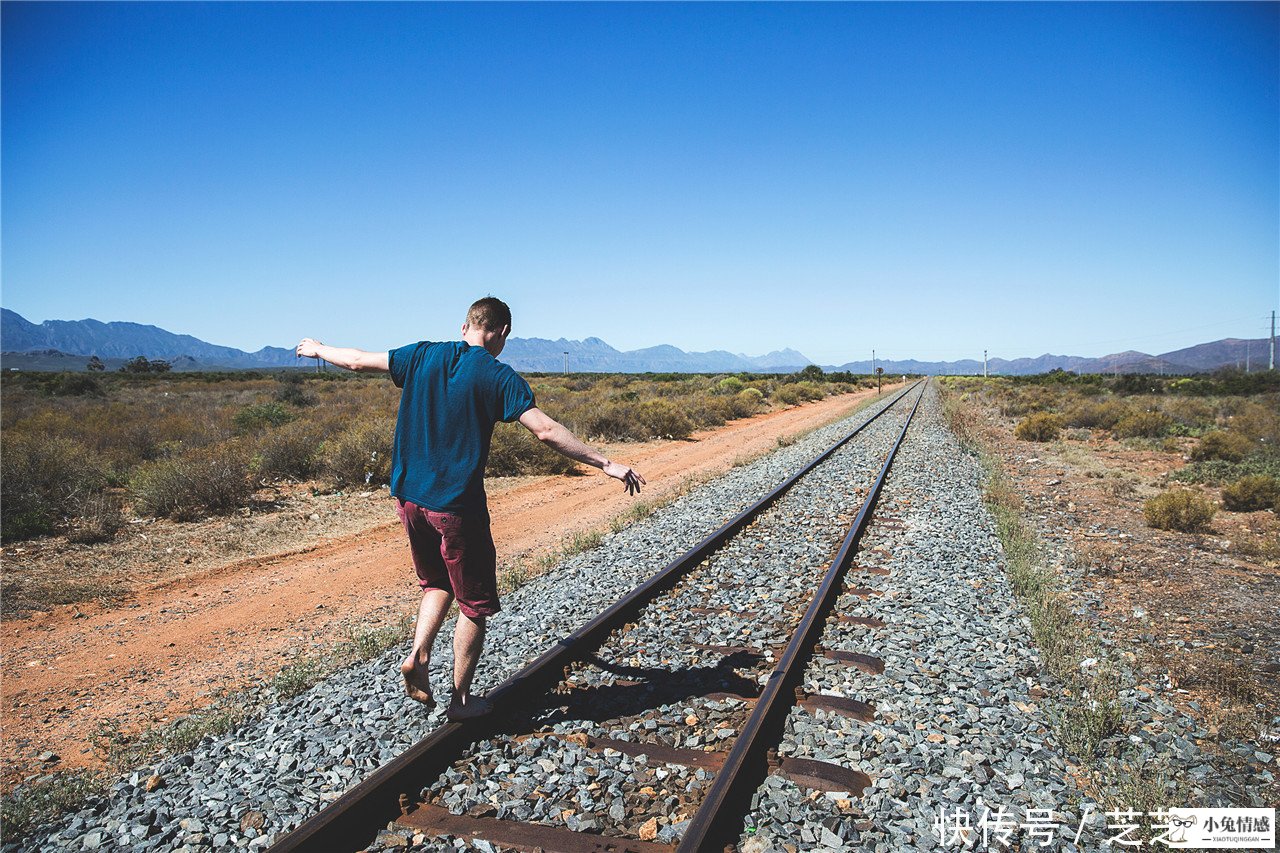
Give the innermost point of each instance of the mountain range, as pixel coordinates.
(68, 344)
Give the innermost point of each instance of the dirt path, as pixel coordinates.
(168, 648)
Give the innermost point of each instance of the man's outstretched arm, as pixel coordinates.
(556, 436)
(351, 359)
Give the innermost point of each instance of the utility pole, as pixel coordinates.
(1273, 341)
(1247, 352)
(566, 362)
(984, 364)
(873, 362)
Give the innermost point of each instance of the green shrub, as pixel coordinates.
(42, 477)
(1143, 425)
(261, 416)
(188, 486)
(1216, 472)
(292, 450)
(731, 385)
(515, 451)
(1039, 426)
(1180, 509)
(1220, 444)
(361, 454)
(1249, 494)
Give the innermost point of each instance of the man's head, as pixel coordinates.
(488, 324)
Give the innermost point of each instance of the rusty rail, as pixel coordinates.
(719, 818)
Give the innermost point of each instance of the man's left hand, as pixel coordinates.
(631, 479)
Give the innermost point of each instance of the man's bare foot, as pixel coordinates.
(416, 684)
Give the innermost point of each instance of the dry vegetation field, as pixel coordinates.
(1139, 518)
(87, 456)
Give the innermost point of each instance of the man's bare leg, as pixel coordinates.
(431, 613)
(468, 643)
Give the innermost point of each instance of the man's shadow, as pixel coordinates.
(635, 691)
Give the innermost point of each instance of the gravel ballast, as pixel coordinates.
(963, 710)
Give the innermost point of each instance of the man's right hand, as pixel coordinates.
(308, 348)
(631, 479)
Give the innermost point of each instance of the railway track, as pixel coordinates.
(650, 728)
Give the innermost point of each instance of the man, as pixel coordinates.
(453, 394)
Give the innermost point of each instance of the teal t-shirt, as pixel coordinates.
(453, 394)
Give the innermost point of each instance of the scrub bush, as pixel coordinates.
(1220, 444)
(1143, 425)
(1096, 414)
(292, 450)
(1249, 494)
(360, 455)
(1040, 426)
(42, 476)
(293, 392)
(663, 419)
(607, 422)
(1258, 420)
(1181, 510)
(259, 417)
(98, 519)
(799, 392)
(188, 486)
(731, 385)
(747, 402)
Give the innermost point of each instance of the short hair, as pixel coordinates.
(490, 314)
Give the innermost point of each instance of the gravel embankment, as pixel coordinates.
(957, 725)
(242, 790)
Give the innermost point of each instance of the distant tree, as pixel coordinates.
(95, 364)
(812, 371)
(138, 364)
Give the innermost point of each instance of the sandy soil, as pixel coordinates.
(167, 648)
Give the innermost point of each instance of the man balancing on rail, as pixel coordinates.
(453, 394)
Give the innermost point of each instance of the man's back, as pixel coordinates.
(453, 394)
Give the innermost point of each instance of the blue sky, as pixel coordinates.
(926, 180)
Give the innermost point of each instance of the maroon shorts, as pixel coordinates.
(454, 553)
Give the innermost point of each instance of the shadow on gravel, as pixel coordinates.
(637, 690)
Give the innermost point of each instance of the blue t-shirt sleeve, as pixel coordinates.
(515, 393)
(398, 360)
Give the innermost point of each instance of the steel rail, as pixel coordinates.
(718, 820)
(349, 822)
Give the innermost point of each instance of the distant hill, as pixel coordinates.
(126, 340)
(68, 344)
(1230, 352)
